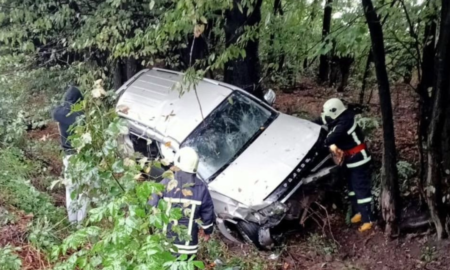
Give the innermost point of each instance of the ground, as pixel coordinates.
(337, 246)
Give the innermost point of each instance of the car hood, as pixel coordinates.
(262, 167)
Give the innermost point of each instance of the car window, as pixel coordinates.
(227, 131)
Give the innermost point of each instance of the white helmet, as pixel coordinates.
(332, 109)
(186, 160)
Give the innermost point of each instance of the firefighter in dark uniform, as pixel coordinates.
(346, 139)
(191, 194)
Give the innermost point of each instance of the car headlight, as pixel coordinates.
(273, 213)
(257, 218)
(274, 210)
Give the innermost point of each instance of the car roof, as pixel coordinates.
(151, 100)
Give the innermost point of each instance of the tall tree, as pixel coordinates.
(389, 180)
(243, 72)
(426, 83)
(324, 65)
(435, 138)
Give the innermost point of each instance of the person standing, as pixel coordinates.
(63, 115)
(191, 194)
(345, 137)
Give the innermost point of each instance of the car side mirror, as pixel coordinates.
(270, 97)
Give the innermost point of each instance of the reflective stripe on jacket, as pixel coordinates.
(345, 133)
(192, 196)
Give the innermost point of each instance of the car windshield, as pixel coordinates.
(227, 131)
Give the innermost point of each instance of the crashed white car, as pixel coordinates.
(253, 158)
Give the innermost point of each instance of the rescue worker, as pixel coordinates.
(76, 209)
(189, 193)
(346, 139)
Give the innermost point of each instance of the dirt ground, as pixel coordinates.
(14, 234)
(372, 251)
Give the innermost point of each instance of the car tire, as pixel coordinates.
(250, 232)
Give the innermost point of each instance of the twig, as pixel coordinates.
(328, 221)
(195, 88)
(415, 36)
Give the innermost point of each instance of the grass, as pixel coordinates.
(16, 188)
(220, 256)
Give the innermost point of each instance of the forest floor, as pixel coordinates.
(336, 246)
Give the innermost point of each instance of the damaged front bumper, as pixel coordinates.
(315, 166)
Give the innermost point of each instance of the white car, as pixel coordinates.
(253, 158)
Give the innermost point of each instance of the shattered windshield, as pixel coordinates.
(227, 131)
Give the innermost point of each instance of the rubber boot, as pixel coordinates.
(366, 216)
(365, 227)
(355, 210)
(356, 218)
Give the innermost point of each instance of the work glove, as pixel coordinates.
(337, 154)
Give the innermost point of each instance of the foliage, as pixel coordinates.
(47, 44)
(6, 217)
(42, 235)
(122, 230)
(428, 254)
(9, 260)
(321, 244)
(17, 190)
(368, 124)
(405, 172)
(218, 254)
(28, 95)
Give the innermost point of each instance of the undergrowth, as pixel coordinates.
(8, 259)
(221, 257)
(17, 190)
(321, 244)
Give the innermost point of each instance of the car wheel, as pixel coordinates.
(250, 232)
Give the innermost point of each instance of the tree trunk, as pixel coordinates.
(440, 101)
(345, 63)
(273, 58)
(389, 181)
(365, 76)
(132, 67)
(425, 84)
(118, 74)
(243, 72)
(324, 59)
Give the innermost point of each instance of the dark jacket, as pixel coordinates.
(345, 133)
(196, 203)
(62, 114)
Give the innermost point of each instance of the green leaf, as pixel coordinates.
(152, 4)
(118, 166)
(203, 20)
(240, 8)
(168, 175)
(199, 264)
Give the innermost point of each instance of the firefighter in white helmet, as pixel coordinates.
(191, 194)
(346, 138)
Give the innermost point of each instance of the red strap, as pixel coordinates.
(355, 150)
